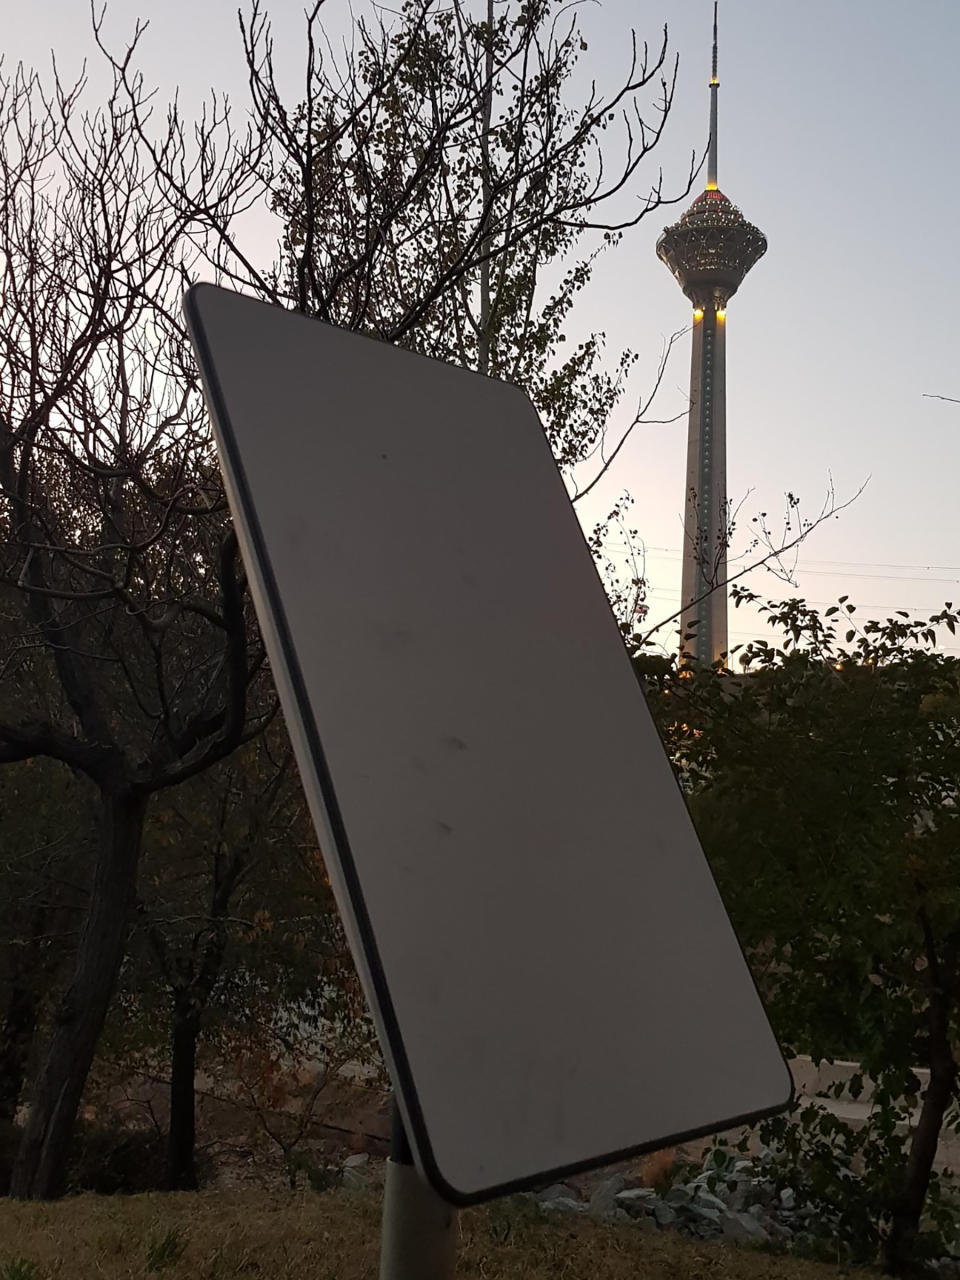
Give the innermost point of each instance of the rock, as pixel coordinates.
(562, 1204)
(664, 1215)
(777, 1229)
(743, 1228)
(604, 1198)
(788, 1198)
(716, 1184)
(355, 1172)
(678, 1195)
(707, 1200)
(637, 1201)
(703, 1214)
(556, 1191)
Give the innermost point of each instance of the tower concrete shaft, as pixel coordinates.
(710, 250)
(705, 533)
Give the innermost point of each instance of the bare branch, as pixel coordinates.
(775, 554)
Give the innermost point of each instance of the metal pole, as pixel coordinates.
(418, 1238)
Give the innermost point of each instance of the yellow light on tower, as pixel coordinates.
(721, 313)
(698, 313)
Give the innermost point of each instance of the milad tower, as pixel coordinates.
(709, 250)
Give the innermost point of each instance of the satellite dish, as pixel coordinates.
(547, 959)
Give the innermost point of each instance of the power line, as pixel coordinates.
(889, 577)
(675, 554)
(860, 604)
(872, 564)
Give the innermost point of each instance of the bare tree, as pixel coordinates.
(190, 953)
(127, 651)
(413, 171)
(435, 187)
(45, 851)
(235, 910)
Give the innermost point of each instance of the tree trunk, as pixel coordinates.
(15, 1041)
(39, 1169)
(905, 1219)
(181, 1168)
(189, 1003)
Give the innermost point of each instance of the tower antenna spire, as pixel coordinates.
(714, 87)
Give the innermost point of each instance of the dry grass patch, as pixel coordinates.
(335, 1236)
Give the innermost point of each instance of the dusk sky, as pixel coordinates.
(837, 137)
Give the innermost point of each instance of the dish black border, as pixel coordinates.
(420, 1138)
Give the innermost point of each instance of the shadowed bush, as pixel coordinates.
(116, 1161)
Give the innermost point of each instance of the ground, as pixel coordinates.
(334, 1236)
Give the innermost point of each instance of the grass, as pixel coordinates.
(334, 1236)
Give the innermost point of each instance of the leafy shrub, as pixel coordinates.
(319, 1177)
(111, 1161)
(851, 1177)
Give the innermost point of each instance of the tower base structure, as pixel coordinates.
(706, 525)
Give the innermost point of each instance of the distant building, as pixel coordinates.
(709, 250)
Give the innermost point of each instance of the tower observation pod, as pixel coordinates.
(709, 251)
